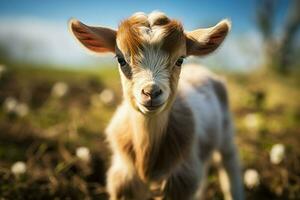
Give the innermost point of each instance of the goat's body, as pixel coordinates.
(168, 125)
(168, 154)
(197, 87)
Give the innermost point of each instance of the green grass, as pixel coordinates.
(47, 137)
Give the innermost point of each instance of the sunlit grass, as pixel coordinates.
(265, 107)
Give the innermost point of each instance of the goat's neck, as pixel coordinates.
(148, 133)
(160, 142)
(147, 130)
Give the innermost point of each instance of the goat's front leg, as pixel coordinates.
(123, 183)
(232, 174)
(183, 184)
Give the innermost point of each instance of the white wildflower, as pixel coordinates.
(10, 104)
(21, 109)
(107, 96)
(18, 168)
(252, 121)
(277, 153)
(251, 178)
(60, 89)
(83, 153)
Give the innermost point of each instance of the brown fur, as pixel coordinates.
(124, 141)
(156, 152)
(155, 160)
(131, 39)
(133, 189)
(129, 35)
(161, 20)
(174, 36)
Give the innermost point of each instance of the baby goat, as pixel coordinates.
(172, 117)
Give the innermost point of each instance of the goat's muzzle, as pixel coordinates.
(151, 97)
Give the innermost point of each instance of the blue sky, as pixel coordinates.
(193, 13)
(33, 22)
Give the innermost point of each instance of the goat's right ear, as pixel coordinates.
(95, 39)
(204, 41)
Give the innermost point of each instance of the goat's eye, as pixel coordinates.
(122, 61)
(179, 61)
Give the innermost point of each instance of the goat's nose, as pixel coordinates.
(151, 91)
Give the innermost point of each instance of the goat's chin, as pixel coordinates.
(151, 110)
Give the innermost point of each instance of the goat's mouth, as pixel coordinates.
(150, 108)
(153, 107)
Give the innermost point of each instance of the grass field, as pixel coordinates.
(44, 127)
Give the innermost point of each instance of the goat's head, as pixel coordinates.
(150, 50)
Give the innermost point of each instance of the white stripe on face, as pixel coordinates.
(152, 69)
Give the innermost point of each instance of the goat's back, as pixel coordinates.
(205, 94)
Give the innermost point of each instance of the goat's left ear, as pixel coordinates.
(204, 41)
(95, 39)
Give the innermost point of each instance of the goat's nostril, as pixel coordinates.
(146, 93)
(151, 91)
(156, 93)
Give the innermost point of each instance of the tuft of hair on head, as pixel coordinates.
(131, 31)
(129, 34)
(172, 29)
(157, 18)
(174, 35)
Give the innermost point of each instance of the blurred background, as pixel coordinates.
(55, 99)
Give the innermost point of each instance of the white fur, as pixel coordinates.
(196, 86)
(203, 102)
(208, 118)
